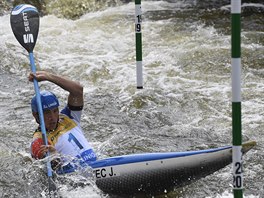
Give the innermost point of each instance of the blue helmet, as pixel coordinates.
(48, 100)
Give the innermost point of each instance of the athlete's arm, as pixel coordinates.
(75, 90)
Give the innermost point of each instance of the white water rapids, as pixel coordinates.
(185, 103)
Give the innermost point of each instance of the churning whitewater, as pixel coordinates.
(186, 100)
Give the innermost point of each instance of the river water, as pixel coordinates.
(185, 103)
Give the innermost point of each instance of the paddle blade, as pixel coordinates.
(25, 25)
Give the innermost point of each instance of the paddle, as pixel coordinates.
(25, 26)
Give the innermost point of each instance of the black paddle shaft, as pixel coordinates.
(25, 25)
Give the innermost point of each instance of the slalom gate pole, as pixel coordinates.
(138, 44)
(236, 98)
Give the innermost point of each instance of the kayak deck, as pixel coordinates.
(154, 173)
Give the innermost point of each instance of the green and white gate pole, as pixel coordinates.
(138, 44)
(236, 98)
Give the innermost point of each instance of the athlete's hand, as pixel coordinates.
(38, 150)
(39, 76)
(45, 148)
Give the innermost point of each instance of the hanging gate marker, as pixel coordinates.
(236, 98)
(138, 44)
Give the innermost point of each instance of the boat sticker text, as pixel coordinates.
(105, 172)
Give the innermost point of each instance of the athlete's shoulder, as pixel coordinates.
(74, 114)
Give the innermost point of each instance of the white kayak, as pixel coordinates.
(155, 173)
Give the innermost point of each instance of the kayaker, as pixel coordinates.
(63, 129)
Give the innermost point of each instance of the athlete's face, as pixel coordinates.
(51, 117)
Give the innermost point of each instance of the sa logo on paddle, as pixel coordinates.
(104, 172)
(28, 38)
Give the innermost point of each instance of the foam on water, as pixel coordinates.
(185, 103)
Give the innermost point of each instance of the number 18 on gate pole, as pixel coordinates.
(138, 44)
